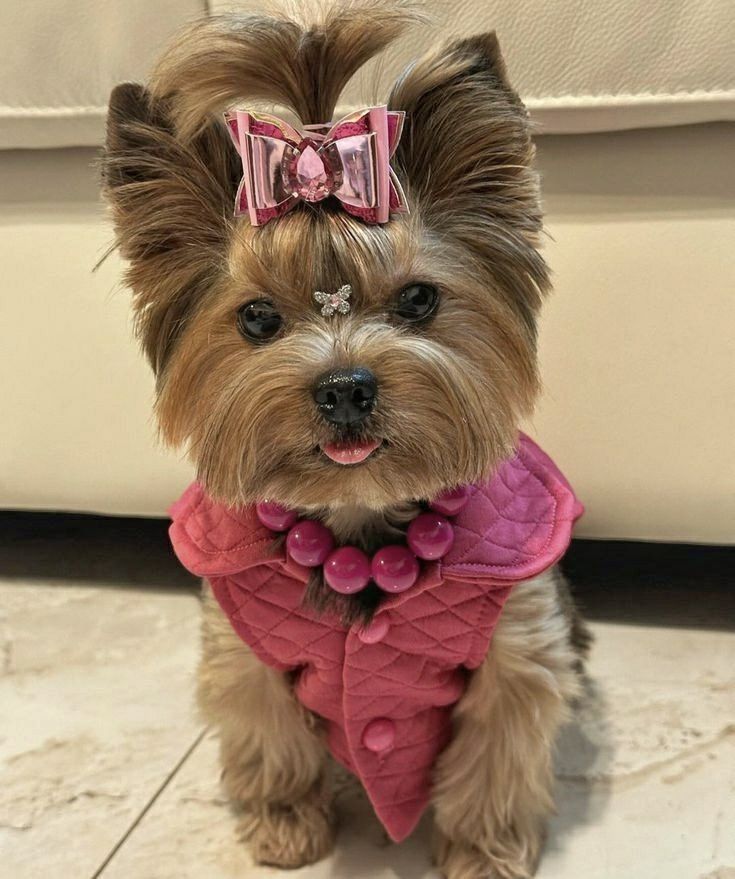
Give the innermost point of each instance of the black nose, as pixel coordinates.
(346, 396)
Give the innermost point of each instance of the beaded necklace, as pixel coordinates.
(347, 569)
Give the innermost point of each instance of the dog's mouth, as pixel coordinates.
(350, 452)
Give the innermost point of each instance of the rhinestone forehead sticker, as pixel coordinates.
(334, 303)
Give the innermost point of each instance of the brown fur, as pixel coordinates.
(451, 392)
(302, 58)
(493, 785)
(274, 763)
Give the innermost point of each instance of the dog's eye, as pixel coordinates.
(258, 320)
(416, 302)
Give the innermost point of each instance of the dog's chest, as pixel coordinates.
(385, 691)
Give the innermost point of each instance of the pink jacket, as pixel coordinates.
(386, 692)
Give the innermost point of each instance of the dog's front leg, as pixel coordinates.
(273, 761)
(493, 787)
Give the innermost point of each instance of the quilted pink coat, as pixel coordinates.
(386, 692)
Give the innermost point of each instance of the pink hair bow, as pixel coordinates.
(349, 160)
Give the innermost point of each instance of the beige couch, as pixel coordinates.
(634, 104)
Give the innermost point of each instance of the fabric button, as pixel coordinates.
(379, 735)
(374, 631)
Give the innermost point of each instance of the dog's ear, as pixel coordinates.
(466, 157)
(171, 202)
(466, 152)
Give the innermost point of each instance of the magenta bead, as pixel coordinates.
(430, 536)
(347, 570)
(275, 516)
(394, 568)
(449, 503)
(309, 543)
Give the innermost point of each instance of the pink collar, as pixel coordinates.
(516, 525)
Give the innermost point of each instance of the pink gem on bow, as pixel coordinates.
(349, 160)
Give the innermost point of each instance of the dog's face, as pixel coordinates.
(422, 384)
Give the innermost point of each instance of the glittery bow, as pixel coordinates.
(349, 160)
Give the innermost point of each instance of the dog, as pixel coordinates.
(348, 355)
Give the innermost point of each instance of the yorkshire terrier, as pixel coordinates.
(341, 318)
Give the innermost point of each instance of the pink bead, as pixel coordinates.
(379, 735)
(309, 543)
(430, 536)
(449, 503)
(394, 568)
(275, 516)
(347, 570)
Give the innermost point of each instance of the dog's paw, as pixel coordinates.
(288, 836)
(460, 860)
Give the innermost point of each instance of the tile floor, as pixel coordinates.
(106, 772)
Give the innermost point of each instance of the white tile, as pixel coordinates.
(95, 712)
(646, 789)
(190, 834)
(647, 777)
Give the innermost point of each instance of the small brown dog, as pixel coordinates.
(436, 350)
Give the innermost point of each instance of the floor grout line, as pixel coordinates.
(149, 805)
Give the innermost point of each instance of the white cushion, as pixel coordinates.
(580, 66)
(594, 65)
(59, 60)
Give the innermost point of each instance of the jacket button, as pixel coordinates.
(374, 631)
(379, 735)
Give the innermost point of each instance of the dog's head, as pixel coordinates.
(422, 385)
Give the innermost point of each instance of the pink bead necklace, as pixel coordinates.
(348, 569)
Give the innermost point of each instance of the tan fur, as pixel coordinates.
(493, 784)
(300, 57)
(451, 391)
(273, 759)
(244, 417)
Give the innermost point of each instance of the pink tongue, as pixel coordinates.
(350, 453)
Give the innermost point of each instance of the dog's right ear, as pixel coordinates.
(171, 204)
(467, 153)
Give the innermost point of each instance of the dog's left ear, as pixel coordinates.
(466, 154)
(171, 203)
